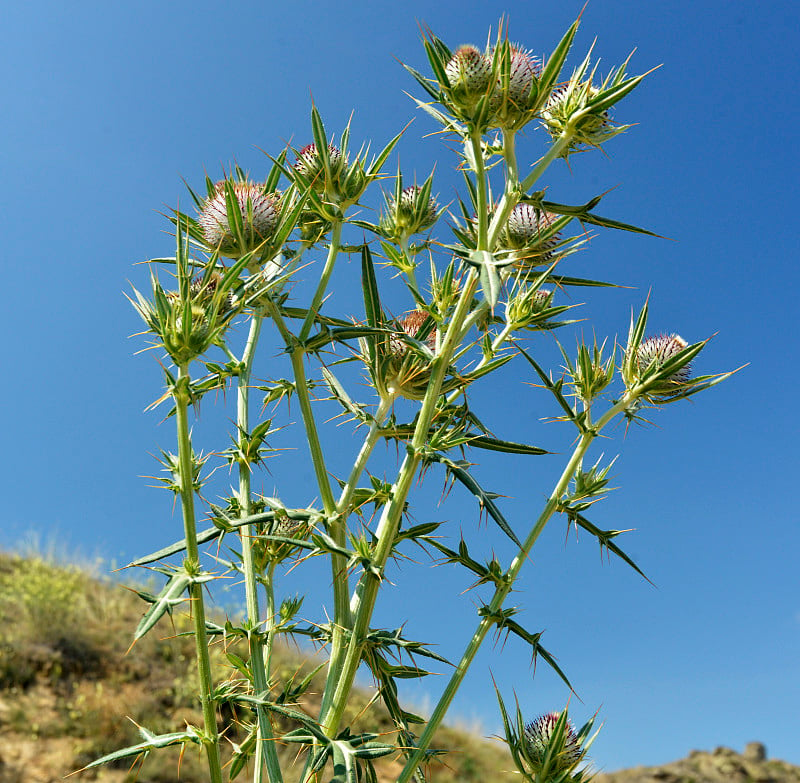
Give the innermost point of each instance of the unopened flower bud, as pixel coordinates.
(403, 370)
(524, 69)
(655, 352)
(567, 111)
(202, 292)
(409, 215)
(259, 218)
(311, 165)
(468, 72)
(410, 324)
(527, 228)
(538, 736)
(312, 226)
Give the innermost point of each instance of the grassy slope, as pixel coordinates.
(69, 692)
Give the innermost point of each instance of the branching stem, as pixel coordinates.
(491, 613)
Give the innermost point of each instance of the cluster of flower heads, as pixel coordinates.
(503, 87)
(507, 97)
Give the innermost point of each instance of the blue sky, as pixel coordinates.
(107, 106)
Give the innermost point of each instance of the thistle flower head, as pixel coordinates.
(233, 235)
(410, 204)
(538, 739)
(409, 214)
(525, 306)
(402, 369)
(568, 109)
(524, 68)
(410, 324)
(468, 72)
(653, 353)
(284, 527)
(528, 228)
(312, 166)
(202, 291)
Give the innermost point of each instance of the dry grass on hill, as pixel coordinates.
(69, 692)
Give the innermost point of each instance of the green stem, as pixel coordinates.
(491, 613)
(336, 526)
(266, 753)
(269, 621)
(342, 510)
(192, 565)
(322, 286)
(480, 180)
(410, 270)
(363, 602)
(510, 197)
(341, 586)
(375, 429)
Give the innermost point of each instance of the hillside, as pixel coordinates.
(68, 683)
(69, 692)
(722, 765)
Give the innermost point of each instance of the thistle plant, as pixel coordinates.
(484, 286)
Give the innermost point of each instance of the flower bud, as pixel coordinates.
(202, 292)
(311, 165)
(538, 739)
(568, 111)
(409, 215)
(525, 307)
(653, 353)
(524, 69)
(528, 229)
(312, 226)
(277, 551)
(469, 72)
(258, 212)
(402, 370)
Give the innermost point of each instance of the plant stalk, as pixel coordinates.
(322, 287)
(192, 565)
(363, 602)
(266, 753)
(343, 509)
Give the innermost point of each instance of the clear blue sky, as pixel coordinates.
(107, 105)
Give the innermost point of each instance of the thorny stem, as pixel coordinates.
(343, 505)
(336, 526)
(480, 177)
(319, 294)
(510, 197)
(491, 614)
(192, 566)
(265, 752)
(363, 601)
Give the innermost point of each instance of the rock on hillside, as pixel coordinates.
(722, 765)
